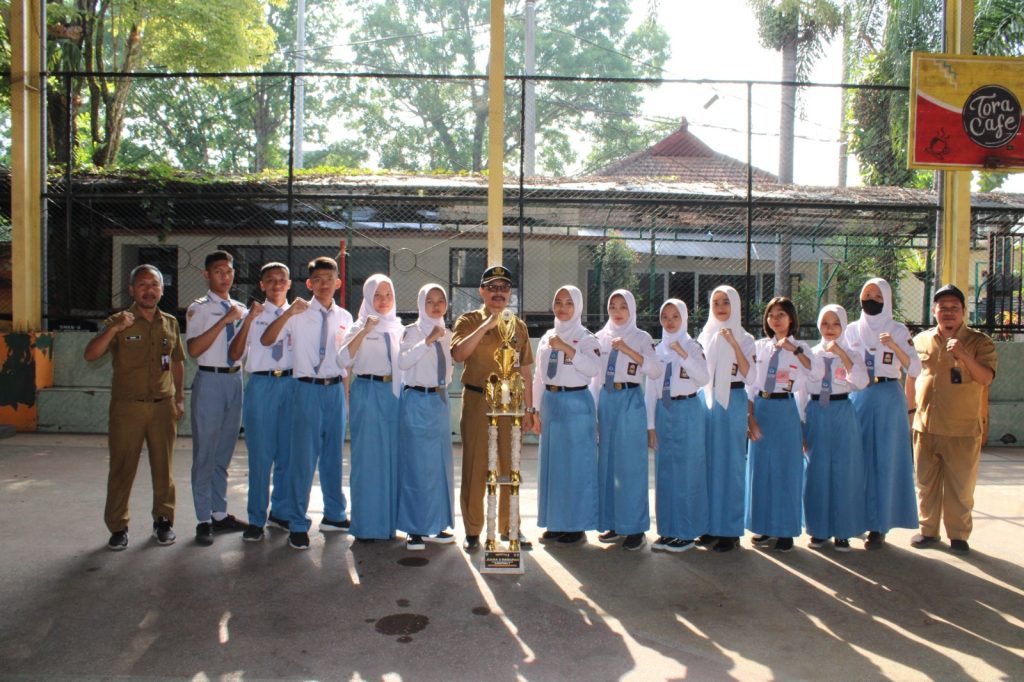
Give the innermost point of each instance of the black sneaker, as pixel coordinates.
(163, 532)
(298, 540)
(551, 535)
(442, 538)
(817, 543)
(784, 545)
(679, 545)
(204, 534)
(252, 533)
(726, 544)
(705, 540)
(471, 543)
(415, 543)
(118, 541)
(922, 541)
(277, 522)
(634, 542)
(959, 546)
(610, 536)
(229, 524)
(875, 540)
(524, 544)
(761, 540)
(841, 545)
(332, 526)
(660, 544)
(574, 538)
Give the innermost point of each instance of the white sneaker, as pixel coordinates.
(415, 543)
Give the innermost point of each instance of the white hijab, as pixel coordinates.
(425, 323)
(840, 312)
(611, 330)
(719, 353)
(572, 329)
(388, 324)
(870, 326)
(681, 335)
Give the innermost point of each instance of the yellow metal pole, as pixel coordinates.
(26, 166)
(956, 199)
(496, 133)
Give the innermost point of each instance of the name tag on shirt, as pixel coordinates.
(165, 363)
(133, 338)
(887, 358)
(783, 380)
(631, 369)
(735, 368)
(841, 374)
(682, 373)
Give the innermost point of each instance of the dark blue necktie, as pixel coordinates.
(826, 384)
(387, 349)
(229, 329)
(323, 340)
(553, 364)
(442, 371)
(773, 368)
(666, 388)
(609, 375)
(869, 360)
(277, 350)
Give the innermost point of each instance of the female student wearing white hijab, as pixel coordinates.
(627, 356)
(370, 351)
(568, 357)
(888, 351)
(675, 430)
(834, 487)
(426, 489)
(775, 458)
(729, 350)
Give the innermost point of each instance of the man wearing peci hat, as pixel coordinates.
(947, 403)
(473, 343)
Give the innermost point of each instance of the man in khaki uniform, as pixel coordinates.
(947, 404)
(474, 343)
(147, 398)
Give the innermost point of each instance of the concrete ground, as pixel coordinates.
(71, 609)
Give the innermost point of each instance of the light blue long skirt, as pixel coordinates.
(426, 489)
(567, 487)
(775, 470)
(889, 456)
(726, 438)
(835, 488)
(622, 462)
(681, 469)
(373, 479)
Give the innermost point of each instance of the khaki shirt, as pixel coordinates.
(945, 408)
(142, 357)
(481, 362)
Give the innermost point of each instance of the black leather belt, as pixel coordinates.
(386, 378)
(330, 381)
(150, 400)
(620, 385)
(425, 389)
(219, 370)
(737, 384)
(475, 389)
(882, 380)
(565, 389)
(683, 397)
(773, 396)
(274, 373)
(834, 396)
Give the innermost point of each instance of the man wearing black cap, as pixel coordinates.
(947, 404)
(474, 343)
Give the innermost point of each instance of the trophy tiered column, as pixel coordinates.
(504, 393)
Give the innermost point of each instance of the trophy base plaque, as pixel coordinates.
(502, 561)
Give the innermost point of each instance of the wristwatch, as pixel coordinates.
(799, 350)
(530, 410)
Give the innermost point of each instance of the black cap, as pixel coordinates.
(950, 290)
(495, 272)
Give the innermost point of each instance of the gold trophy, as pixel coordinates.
(504, 394)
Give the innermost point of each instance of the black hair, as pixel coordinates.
(787, 306)
(322, 263)
(218, 256)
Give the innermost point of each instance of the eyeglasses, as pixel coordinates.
(495, 288)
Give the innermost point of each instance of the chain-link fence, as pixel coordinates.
(665, 187)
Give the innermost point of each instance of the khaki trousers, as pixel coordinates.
(947, 470)
(133, 422)
(473, 427)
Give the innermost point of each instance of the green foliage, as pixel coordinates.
(419, 124)
(615, 264)
(809, 24)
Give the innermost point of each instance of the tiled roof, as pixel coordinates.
(682, 157)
